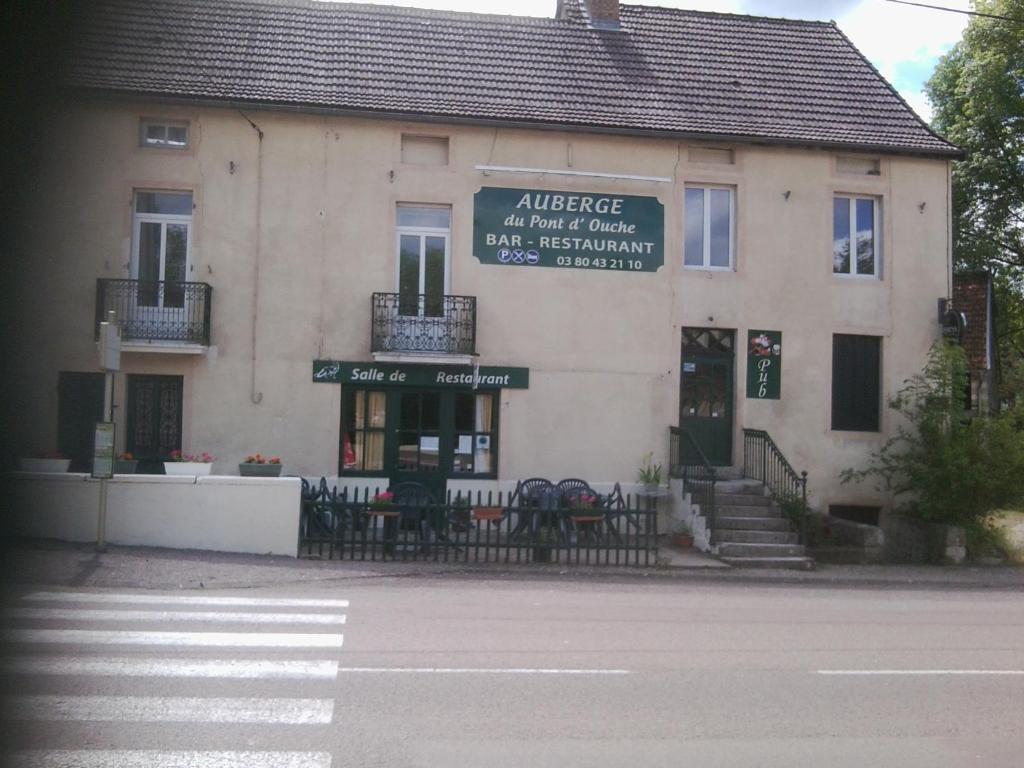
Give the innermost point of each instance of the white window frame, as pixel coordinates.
(423, 233)
(876, 235)
(705, 264)
(163, 219)
(146, 123)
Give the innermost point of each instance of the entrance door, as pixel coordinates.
(160, 262)
(423, 277)
(79, 407)
(421, 448)
(154, 420)
(706, 393)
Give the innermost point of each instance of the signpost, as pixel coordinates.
(103, 439)
(581, 230)
(764, 365)
(399, 375)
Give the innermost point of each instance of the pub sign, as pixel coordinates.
(764, 365)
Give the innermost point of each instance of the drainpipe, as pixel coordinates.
(254, 396)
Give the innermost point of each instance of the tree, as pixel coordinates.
(977, 92)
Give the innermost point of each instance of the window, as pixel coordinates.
(163, 133)
(423, 259)
(363, 420)
(855, 513)
(154, 418)
(858, 166)
(855, 219)
(710, 155)
(856, 382)
(708, 216)
(160, 247)
(476, 426)
(424, 150)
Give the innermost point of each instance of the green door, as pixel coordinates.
(420, 449)
(705, 404)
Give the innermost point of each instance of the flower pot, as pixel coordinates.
(259, 470)
(44, 465)
(683, 540)
(125, 466)
(187, 467)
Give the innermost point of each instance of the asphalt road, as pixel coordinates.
(479, 672)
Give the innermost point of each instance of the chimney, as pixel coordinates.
(604, 14)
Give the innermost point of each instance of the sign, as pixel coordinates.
(103, 450)
(764, 365)
(954, 324)
(544, 228)
(401, 375)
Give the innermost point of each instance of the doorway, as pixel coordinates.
(153, 420)
(79, 407)
(706, 392)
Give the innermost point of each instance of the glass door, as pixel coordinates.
(705, 404)
(421, 450)
(160, 263)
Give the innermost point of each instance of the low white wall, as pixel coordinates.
(222, 513)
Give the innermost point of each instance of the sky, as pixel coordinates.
(903, 42)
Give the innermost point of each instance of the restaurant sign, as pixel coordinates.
(764, 365)
(401, 375)
(544, 228)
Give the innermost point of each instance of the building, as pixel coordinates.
(974, 301)
(388, 243)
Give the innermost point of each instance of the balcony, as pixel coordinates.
(157, 316)
(423, 324)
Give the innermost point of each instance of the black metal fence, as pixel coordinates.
(423, 323)
(480, 528)
(762, 460)
(156, 310)
(688, 462)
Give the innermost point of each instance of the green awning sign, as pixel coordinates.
(764, 365)
(580, 230)
(402, 375)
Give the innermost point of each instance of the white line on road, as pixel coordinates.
(169, 709)
(243, 669)
(878, 672)
(104, 597)
(127, 637)
(482, 671)
(88, 614)
(147, 759)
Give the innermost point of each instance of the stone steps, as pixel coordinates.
(723, 535)
(737, 510)
(752, 523)
(744, 550)
(743, 499)
(789, 563)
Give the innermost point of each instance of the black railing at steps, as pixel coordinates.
(762, 460)
(687, 461)
(149, 310)
(423, 323)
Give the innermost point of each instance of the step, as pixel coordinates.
(745, 487)
(737, 549)
(752, 523)
(789, 563)
(754, 537)
(738, 510)
(745, 499)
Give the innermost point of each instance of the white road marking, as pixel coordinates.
(879, 672)
(88, 614)
(104, 597)
(245, 669)
(483, 671)
(128, 637)
(147, 759)
(169, 709)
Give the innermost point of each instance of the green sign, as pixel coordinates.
(543, 228)
(103, 450)
(764, 365)
(400, 375)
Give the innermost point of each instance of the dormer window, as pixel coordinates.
(169, 134)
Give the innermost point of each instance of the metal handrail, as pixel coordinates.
(764, 461)
(156, 310)
(423, 323)
(698, 478)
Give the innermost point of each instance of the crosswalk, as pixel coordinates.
(85, 669)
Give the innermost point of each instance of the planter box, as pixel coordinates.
(44, 465)
(187, 468)
(125, 466)
(260, 470)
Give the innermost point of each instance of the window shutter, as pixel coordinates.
(856, 382)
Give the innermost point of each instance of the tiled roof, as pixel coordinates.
(667, 71)
(971, 296)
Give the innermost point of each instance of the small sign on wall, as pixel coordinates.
(764, 365)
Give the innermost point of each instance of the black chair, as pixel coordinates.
(418, 510)
(587, 522)
(529, 496)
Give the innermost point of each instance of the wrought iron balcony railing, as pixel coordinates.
(157, 311)
(423, 323)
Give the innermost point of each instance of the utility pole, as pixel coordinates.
(103, 441)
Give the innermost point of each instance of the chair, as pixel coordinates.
(415, 504)
(584, 520)
(533, 494)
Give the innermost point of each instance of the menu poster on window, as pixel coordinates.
(581, 230)
(764, 365)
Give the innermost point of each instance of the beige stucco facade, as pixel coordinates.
(297, 230)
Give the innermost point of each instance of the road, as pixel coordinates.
(481, 672)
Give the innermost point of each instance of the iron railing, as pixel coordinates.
(156, 310)
(485, 528)
(423, 323)
(762, 460)
(687, 461)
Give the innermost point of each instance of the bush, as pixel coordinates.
(948, 468)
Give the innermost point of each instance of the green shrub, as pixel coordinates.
(941, 466)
